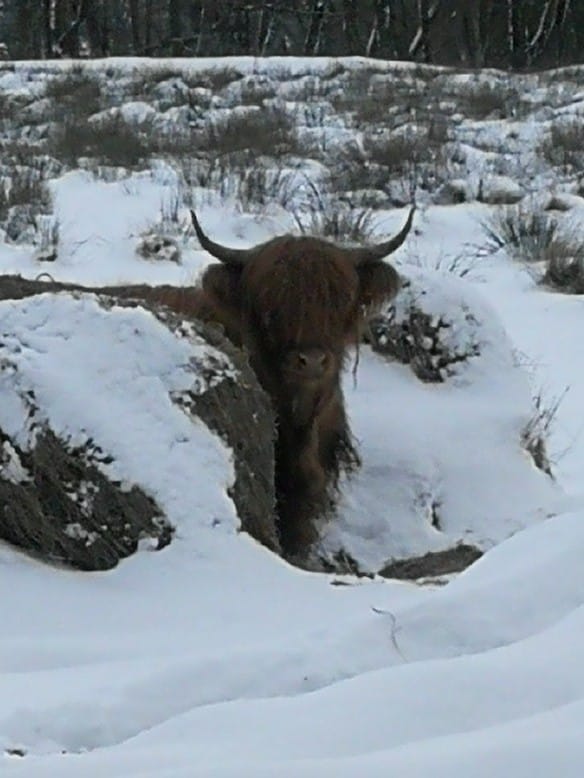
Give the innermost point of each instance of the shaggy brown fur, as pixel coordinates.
(296, 304)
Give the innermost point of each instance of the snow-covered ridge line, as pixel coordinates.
(294, 66)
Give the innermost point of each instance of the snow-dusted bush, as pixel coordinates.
(526, 233)
(23, 190)
(563, 146)
(484, 99)
(534, 235)
(328, 217)
(536, 432)
(399, 153)
(74, 94)
(159, 247)
(565, 265)
(268, 130)
(499, 190)
(421, 330)
(110, 140)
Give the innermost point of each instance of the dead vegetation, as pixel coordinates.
(526, 233)
(417, 339)
(533, 235)
(109, 141)
(75, 94)
(336, 221)
(565, 267)
(536, 433)
(489, 99)
(268, 131)
(24, 195)
(563, 146)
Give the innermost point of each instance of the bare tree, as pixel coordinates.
(313, 39)
(475, 33)
(135, 25)
(175, 27)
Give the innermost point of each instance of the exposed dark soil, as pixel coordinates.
(434, 563)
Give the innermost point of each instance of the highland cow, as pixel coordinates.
(296, 304)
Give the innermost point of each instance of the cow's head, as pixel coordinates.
(299, 302)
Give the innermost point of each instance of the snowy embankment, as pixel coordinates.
(215, 657)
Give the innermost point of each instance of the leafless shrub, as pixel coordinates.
(565, 265)
(418, 339)
(399, 152)
(173, 141)
(484, 99)
(261, 186)
(353, 170)
(461, 265)
(268, 131)
(535, 236)
(161, 73)
(76, 93)
(526, 233)
(10, 110)
(255, 89)
(310, 89)
(325, 215)
(111, 141)
(536, 433)
(373, 99)
(339, 222)
(156, 246)
(24, 186)
(438, 130)
(48, 238)
(215, 79)
(243, 180)
(564, 145)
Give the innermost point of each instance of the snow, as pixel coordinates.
(421, 441)
(213, 656)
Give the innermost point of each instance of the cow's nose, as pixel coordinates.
(313, 361)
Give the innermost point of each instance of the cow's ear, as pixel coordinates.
(223, 283)
(379, 282)
(220, 299)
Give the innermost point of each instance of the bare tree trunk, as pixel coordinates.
(426, 13)
(268, 34)
(513, 39)
(313, 35)
(68, 43)
(134, 9)
(262, 29)
(351, 26)
(47, 29)
(475, 43)
(198, 21)
(424, 21)
(549, 20)
(96, 15)
(372, 37)
(174, 27)
(148, 25)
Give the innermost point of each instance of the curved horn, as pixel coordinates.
(230, 256)
(367, 254)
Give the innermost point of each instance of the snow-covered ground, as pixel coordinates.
(214, 657)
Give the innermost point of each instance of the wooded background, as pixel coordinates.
(513, 34)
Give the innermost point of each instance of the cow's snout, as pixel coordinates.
(308, 363)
